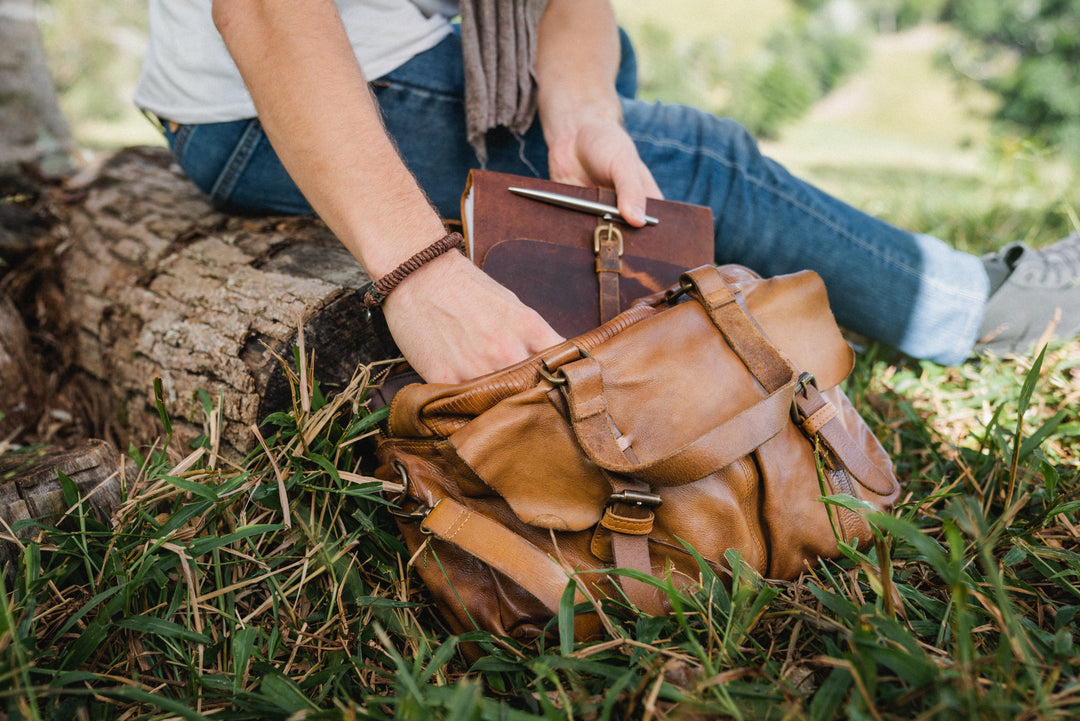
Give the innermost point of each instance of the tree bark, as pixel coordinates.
(21, 375)
(32, 128)
(158, 284)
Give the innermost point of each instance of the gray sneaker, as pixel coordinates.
(1034, 296)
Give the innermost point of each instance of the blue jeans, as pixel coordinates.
(908, 290)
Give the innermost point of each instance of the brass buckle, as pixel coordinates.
(674, 294)
(417, 515)
(555, 380)
(612, 232)
(557, 377)
(420, 512)
(804, 381)
(636, 498)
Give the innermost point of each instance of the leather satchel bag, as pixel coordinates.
(708, 417)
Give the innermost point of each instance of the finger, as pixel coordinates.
(633, 184)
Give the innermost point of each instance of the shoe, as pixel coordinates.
(1034, 296)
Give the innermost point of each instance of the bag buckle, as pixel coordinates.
(555, 380)
(636, 498)
(417, 514)
(557, 377)
(804, 381)
(685, 286)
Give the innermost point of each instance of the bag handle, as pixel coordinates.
(601, 438)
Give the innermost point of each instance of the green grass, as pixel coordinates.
(277, 589)
(740, 28)
(906, 140)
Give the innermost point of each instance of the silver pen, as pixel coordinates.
(569, 201)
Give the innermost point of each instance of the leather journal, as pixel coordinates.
(578, 268)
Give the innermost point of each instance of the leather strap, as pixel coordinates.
(730, 317)
(608, 248)
(500, 548)
(629, 546)
(842, 448)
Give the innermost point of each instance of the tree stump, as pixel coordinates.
(159, 284)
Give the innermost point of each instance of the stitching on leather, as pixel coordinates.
(819, 418)
(458, 524)
(629, 526)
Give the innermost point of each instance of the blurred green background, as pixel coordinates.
(887, 103)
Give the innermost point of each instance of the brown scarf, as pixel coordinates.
(498, 40)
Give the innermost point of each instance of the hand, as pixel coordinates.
(599, 152)
(453, 323)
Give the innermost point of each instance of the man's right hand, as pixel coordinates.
(453, 323)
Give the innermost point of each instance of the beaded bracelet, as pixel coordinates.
(377, 291)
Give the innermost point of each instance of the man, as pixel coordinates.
(368, 160)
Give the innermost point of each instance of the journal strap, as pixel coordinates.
(608, 249)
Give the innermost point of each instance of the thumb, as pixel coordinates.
(633, 185)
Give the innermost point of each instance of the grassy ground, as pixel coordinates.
(276, 588)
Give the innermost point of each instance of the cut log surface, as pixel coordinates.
(161, 285)
(30, 485)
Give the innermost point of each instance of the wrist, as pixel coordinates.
(382, 286)
(564, 122)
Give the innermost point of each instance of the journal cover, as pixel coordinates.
(544, 253)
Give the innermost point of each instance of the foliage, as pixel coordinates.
(800, 62)
(892, 15)
(1040, 44)
(95, 51)
(276, 588)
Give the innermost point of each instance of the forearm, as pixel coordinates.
(577, 59)
(580, 111)
(315, 106)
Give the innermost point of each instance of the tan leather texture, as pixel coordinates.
(682, 421)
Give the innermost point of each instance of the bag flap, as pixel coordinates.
(673, 398)
(669, 401)
(524, 450)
